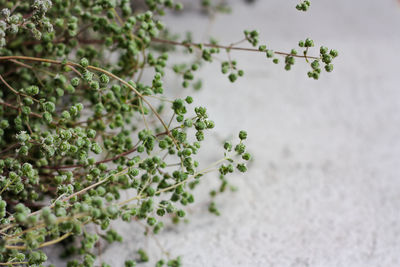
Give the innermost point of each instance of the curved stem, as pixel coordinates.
(45, 244)
(69, 63)
(15, 91)
(33, 114)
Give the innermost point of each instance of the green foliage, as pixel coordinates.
(77, 126)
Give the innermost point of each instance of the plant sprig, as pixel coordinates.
(84, 117)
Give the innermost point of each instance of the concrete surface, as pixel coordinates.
(324, 188)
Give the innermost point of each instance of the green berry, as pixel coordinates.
(242, 135)
(232, 77)
(334, 53)
(84, 62)
(75, 81)
(180, 213)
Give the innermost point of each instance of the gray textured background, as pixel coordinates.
(324, 187)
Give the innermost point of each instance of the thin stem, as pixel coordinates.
(43, 224)
(185, 44)
(157, 40)
(45, 244)
(8, 148)
(121, 23)
(175, 185)
(33, 114)
(160, 98)
(93, 185)
(96, 163)
(32, 68)
(13, 263)
(15, 91)
(6, 186)
(144, 117)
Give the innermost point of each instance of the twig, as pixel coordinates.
(157, 40)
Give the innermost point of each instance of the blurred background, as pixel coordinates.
(324, 186)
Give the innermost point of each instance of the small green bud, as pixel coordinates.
(151, 221)
(327, 59)
(143, 255)
(23, 137)
(112, 210)
(27, 168)
(49, 107)
(4, 124)
(75, 81)
(91, 133)
(94, 85)
(309, 43)
(270, 53)
(334, 53)
(189, 99)
(104, 79)
(315, 64)
(240, 148)
(20, 217)
(65, 114)
(195, 67)
(200, 125)
(323, 50)
(188, 123)
(228, 146)
(96, 148)
(179, 6)
(246, 156)
(210, 124)
(329, 68)
(84, 62)
(133, 172)
(242, 135)
(241, 167)
(130, 263)
(47, 117)
(232, 77)
(32, 90)
(181, 213)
